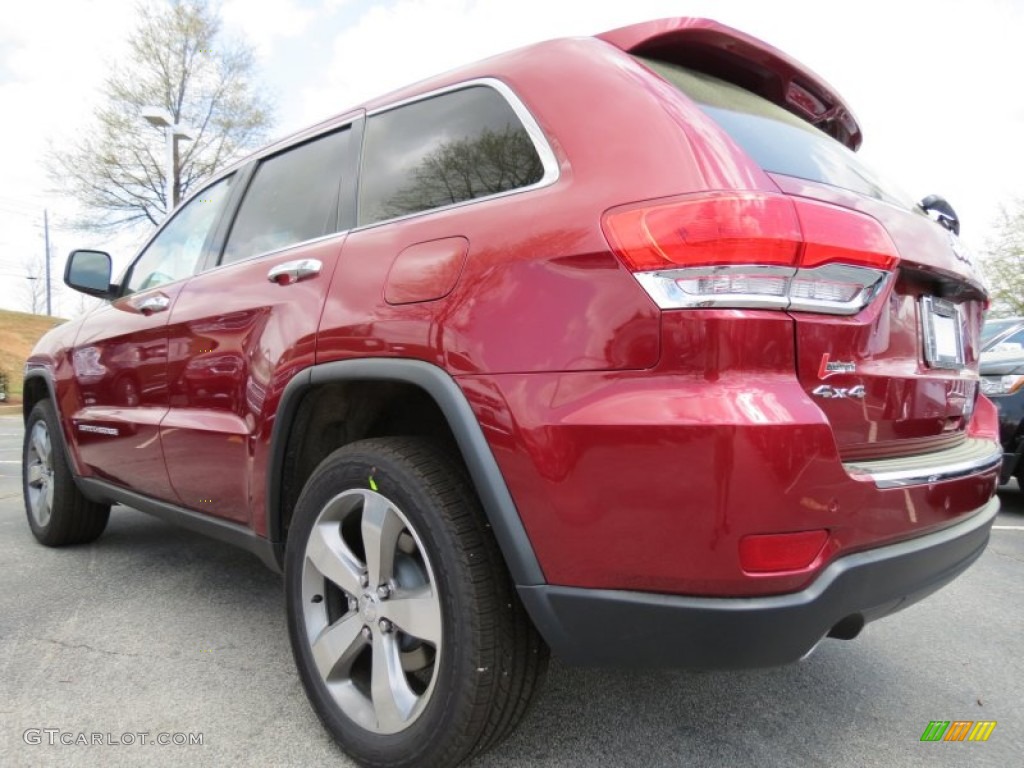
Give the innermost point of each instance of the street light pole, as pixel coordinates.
(172, 188)
(159, 117)
(33, 294)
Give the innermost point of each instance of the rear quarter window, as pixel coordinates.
(444, 150)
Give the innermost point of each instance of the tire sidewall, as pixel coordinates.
(43, 411)
(352, 468)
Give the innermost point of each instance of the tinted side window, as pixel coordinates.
(292, 197)
(443, 150)
(176, 251)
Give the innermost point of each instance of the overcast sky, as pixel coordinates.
(935, 84)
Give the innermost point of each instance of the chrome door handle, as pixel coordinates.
(155, 303)
(292, 271)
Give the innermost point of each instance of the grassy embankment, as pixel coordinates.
(19, 332)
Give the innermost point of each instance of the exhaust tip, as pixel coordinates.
(847, 628)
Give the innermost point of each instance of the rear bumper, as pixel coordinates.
(597, 626)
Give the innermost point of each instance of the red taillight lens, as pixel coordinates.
(775, 552)
(735, 228)
(752, 249)
(837, 235)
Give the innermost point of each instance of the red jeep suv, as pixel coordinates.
(610, 345)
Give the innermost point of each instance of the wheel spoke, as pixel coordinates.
(34, 474)
(49, 496)
(393, 700)
(329, 555)
(416, 612)
(381, 528)
(41, 504)
(338, 645)
(41, 443)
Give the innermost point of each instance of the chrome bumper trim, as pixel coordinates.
(971, 457)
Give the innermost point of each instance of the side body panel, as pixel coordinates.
(119, 377)
(236, 339)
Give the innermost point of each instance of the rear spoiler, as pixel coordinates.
(726, 53)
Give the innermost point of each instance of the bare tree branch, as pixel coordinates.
(179, 60)
(34, 291)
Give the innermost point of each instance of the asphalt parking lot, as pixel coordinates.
(154, 630)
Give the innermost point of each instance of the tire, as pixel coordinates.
(409, 638)
(58, 513)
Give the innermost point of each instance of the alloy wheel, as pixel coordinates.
(39, 473)
(372, 611)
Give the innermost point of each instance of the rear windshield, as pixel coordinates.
(778, 140)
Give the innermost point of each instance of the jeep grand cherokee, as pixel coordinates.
(610, 345)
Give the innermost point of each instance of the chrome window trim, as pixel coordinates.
(548, 161)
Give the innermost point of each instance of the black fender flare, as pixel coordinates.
(42, 372)
(441, 387)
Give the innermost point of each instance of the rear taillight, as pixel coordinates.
(752, 249)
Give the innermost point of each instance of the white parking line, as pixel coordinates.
(994, 527)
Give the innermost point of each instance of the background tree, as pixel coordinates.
(1004, 261)
(179, 60)
(34, 290)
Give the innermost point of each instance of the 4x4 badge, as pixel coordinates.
(837, 393)
(829, 367)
